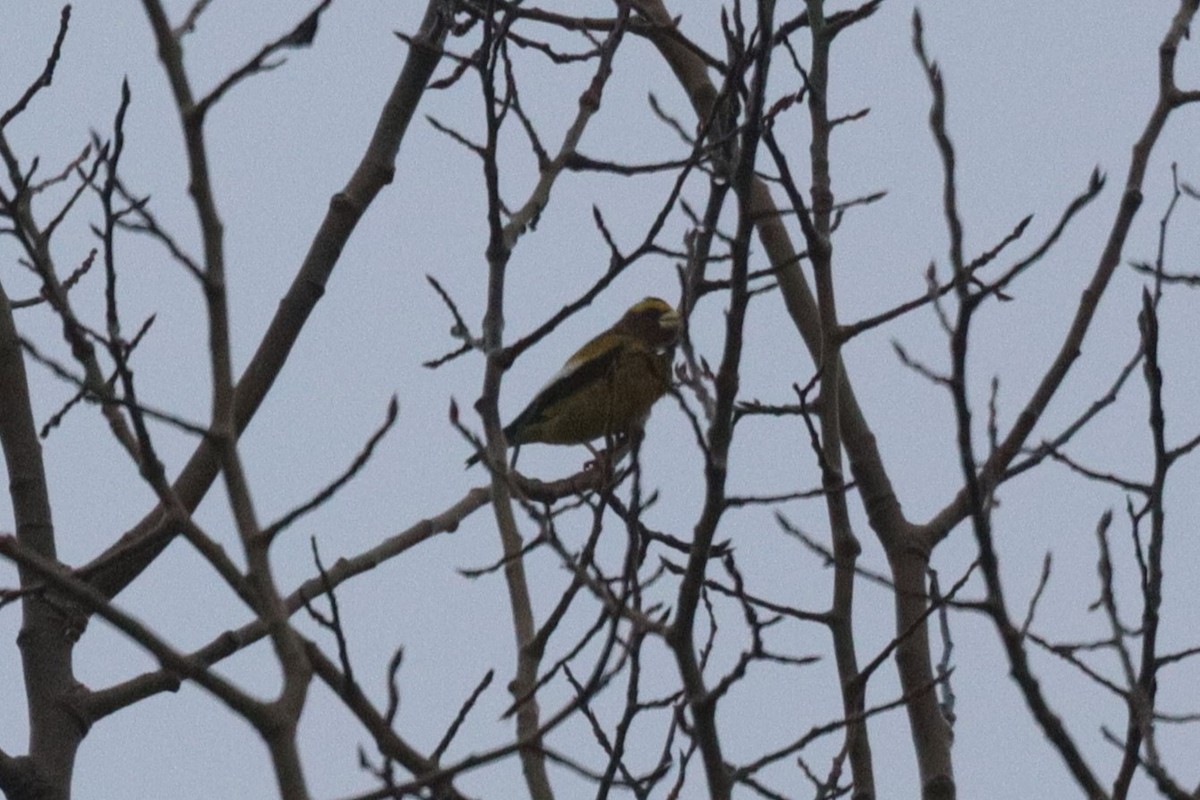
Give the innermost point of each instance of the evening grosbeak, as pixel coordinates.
(608, 386)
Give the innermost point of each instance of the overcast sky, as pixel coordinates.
(1039, 95)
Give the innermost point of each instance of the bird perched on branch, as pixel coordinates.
(608, 386)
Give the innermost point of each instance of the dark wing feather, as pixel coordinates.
(597, 367)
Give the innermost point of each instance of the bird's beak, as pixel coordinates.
(671, 324)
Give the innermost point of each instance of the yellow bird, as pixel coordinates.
(608, 387)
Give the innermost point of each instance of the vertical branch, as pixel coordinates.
(1142, 692)
(119, 349)
(846, 547)
(976, 491)
(524, 682)
(280, 731)
(46, 639)
(702, 702)
(22, 450)
(191, 117)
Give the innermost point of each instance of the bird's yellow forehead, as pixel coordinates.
(650, 304)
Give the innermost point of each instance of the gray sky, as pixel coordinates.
(1039, 94)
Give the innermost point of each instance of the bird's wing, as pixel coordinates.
(591, 363)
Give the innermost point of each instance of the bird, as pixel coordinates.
(608, 386)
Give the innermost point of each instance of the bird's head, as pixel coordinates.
(652, 320)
